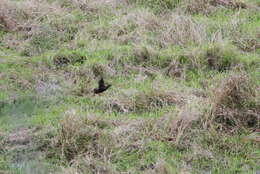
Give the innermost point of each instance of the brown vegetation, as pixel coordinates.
(236, 103)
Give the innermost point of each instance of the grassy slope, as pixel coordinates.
(184, 98)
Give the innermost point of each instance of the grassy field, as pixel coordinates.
(185, 95)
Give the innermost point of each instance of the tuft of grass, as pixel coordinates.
(72, 139)
(66, 57)
(236, 103)
(148, 99)
(156, 99)
(221, 57)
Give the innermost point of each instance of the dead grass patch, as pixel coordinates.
(22, 15)
(199, 7)
(47, 85)
(182, 30)
(143, 101)
(134, 26)
(248, 44)
(229, 3)
(122, 103)
(94, 145)
(174, 69)
(235, 103)
(157, 99)
(6, 24)
(178, 127)
(208, 7)
(78, 135)
(37, 26)
(137, 26)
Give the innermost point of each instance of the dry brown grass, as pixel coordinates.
(248, 44)
(179, 126)
(91, 144)
(182, 30)
(132, 101)
(199, 6)
(134, 25)
(235, 103)
(174, 69)
(208, 7)
(157, 99)
(78, 135)
(36, 26)
(24, 15)
(123, 103)
(169, 30)
(229, 3)
(6, 24)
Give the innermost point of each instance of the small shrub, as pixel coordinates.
(69, 57)
(236, 102)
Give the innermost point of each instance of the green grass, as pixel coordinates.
(175, 84)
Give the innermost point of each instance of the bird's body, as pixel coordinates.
(101, 86)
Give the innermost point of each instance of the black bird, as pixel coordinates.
(101, 86)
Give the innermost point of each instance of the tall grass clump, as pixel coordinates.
(66, 57)
(235, 103)
(222, 57)
(78, 135)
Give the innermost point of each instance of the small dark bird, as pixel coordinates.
(101, 86)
